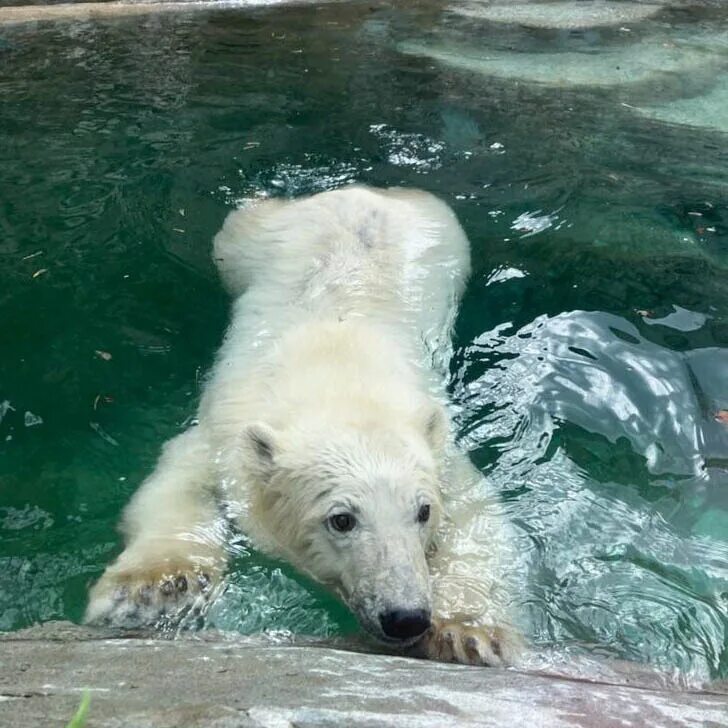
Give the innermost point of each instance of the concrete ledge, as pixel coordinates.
(219, 682)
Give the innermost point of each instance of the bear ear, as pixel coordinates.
(261, 443)
(436, 424)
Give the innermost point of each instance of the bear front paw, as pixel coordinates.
(158, 597)
(450, 641)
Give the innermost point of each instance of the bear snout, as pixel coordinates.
(404, 624)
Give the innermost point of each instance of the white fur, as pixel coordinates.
(327, 396)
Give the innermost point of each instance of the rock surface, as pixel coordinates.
(643, 63)
(247, 682)
(709, 110)
(562, 15)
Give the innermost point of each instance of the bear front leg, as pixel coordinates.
(471, 588)
(175, 543)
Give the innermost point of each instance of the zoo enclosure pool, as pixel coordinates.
(588, 164)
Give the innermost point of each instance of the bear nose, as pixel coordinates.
(402, 624)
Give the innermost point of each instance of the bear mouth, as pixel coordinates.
(400, 642)
(394, 642)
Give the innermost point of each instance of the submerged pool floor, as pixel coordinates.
(587, 158)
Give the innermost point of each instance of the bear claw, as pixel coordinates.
(470, 645)
(129, 599)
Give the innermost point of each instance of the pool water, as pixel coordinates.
(591, 363)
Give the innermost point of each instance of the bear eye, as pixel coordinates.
(423, 514)
(342, 522)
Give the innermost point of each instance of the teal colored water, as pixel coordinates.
(591, 364)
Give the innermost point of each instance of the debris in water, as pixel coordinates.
(96, 427)
(40, 272)
(32, 420)
(721, 416)
(103, 355)
(32, 255)
(5, 407)
(102, 399)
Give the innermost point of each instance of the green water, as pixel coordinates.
(591, 353)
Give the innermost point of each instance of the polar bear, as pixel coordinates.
(323, 433)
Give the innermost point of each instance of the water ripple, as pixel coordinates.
(604, 566)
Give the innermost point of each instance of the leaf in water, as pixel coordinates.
(102, 399)
(5, 407)
(31, 420)
(96, 427)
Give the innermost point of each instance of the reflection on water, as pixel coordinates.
(597, 436)
(590, 361)
(594, 371)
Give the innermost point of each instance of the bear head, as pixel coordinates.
(355, 506)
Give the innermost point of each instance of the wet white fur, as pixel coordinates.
(328, 395)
